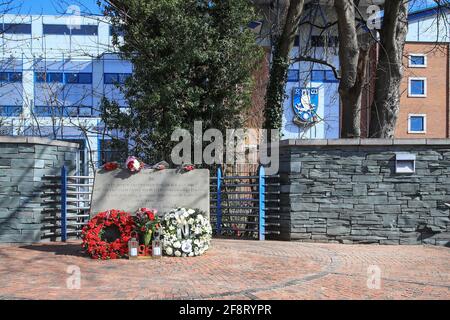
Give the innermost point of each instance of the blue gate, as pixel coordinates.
(245, 206)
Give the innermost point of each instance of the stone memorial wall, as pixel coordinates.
(162, 190)
(23, 163)
(348, 191)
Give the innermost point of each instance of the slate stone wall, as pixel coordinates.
(23, 163)
(347, 191)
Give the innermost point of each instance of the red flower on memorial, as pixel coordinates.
(146, 219)
(109, 166)
(189, 167)
(100, 243)
(133, 164)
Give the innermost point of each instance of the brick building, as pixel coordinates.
(424, 103)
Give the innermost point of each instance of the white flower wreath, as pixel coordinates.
(185, 233)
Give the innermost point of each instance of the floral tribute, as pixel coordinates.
(110, 166)
(147, 223)
(185, 233)
(133, 164)
(106, 235)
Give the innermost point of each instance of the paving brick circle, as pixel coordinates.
(231, 269)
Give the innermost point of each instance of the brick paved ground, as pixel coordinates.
(231, 270)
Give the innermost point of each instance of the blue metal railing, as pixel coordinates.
(63, 203)
(243, 200)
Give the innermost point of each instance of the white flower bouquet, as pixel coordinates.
(185, 233)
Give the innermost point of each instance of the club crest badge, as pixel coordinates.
(305, 102)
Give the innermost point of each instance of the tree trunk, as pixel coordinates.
(273, 110)
(352, 62)
(384, 110)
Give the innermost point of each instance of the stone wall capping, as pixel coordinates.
(37, 140)
(376, 142)
(362, 142)
(437, 141)
(410, 141)
(309, 142)
(344, 142)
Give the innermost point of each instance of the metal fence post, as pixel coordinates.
(63, 203)
(219, 202)
(262, 209)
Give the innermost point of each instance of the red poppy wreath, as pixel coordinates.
(106, 235)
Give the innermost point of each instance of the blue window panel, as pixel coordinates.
(40, 76)
(323, 76)
(417, 87)
(16, 28)
(78, 78)
(48, 111)
(417, 60)
(293, 75)
(10, 76)
(329, 76)
(116, 78)
(56, 29)
(15, 76)
(71, 77)
(62, 29)
(111, 78)
(10, 111)
(85, 30)
(317, 75)
(296, 41)
(42, 111)
(417, 123)
(3, 76)
(85, 78)
(54, 77)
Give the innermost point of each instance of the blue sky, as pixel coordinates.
(53, 6)
(90, 6)
(421, 4)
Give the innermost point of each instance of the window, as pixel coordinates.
(10, 111)
(66, 111)
(4, 77)
(324, 41)
(48, 77)
(39, 76)
(296, 41)
(323, 76)
(293, 75)
(56, 29)
(416, 123)
(111, 78)
(10, 76)
(78, 78)
(85, 30)
(47, 111)
(115, 78)
(54, 77)
(16, 28)
(417, 87)
(62, 29)
(15, 76)
(417, 61)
